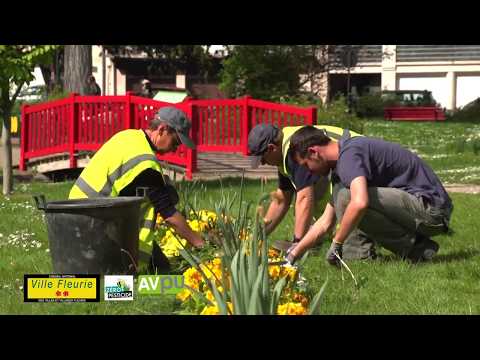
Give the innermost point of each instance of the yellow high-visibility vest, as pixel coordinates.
(118, 162)
(333, 132)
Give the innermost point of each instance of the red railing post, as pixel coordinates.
(73, 131)
(312, 116)
(246, 125)
(128, 111)
(191, 165)
(23, 138)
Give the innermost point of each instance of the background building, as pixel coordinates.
(450, 72)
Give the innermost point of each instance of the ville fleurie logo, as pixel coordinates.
(118, 287)
(61, 288)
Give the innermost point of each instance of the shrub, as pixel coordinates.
(476, 146)
(370, 106)
(57, 94)
(469, 113)
(336, 114)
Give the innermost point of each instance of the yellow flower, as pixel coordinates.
(289, 271)
(213, 269)
(217, 262)
(171, 245)
(184, 295)
(291, 308)
(274, 271)
(210, 310)
(194, 225)
(213, 310)
(205, 216)
(192, 278)
(209, 295)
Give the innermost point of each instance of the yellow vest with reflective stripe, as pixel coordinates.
(334, 133)
(118, 162)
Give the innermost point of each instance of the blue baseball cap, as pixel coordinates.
(258, 139)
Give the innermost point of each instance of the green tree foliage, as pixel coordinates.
(273, 71)
(17, 63)
(262, 71)
(190, 59)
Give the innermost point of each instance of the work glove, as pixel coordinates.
(334, 248)
(289, 258)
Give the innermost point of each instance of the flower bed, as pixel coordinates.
(238, 273)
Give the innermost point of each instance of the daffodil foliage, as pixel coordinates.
(245, 277)
(237, 273)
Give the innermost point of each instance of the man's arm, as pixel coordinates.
(355, 210)
(278, 208)
(316, 232)
(303, 210)
(178, 222)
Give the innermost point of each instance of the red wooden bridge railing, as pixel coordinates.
(84, 123)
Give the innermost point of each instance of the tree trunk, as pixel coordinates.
(7, 154)
(77, 68)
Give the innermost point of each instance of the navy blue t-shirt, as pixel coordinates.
(386, 164)
(302, 177)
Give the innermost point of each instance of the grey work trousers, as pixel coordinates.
(394, 217)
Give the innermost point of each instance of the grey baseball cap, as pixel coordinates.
(177, 120)
(258, 139)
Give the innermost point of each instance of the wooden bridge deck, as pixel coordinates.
(210, 165)
(214, 164)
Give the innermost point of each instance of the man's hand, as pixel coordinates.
(334, 248)
(289, 257)
(198, 241)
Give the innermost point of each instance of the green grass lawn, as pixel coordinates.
(448, 285)
(451, 149)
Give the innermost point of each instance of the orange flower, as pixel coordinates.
(273, 253)
(300, 298)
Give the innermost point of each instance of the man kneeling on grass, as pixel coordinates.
(387, 191)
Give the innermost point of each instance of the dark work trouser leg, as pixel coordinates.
(393, 218)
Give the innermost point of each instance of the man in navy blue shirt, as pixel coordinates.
(384, 189)
(270, 145)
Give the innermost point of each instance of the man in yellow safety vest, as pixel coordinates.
(128, 161)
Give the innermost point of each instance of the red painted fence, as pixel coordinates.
(85, 123)
(425, 113)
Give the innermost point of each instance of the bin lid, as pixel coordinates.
(94, 203)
